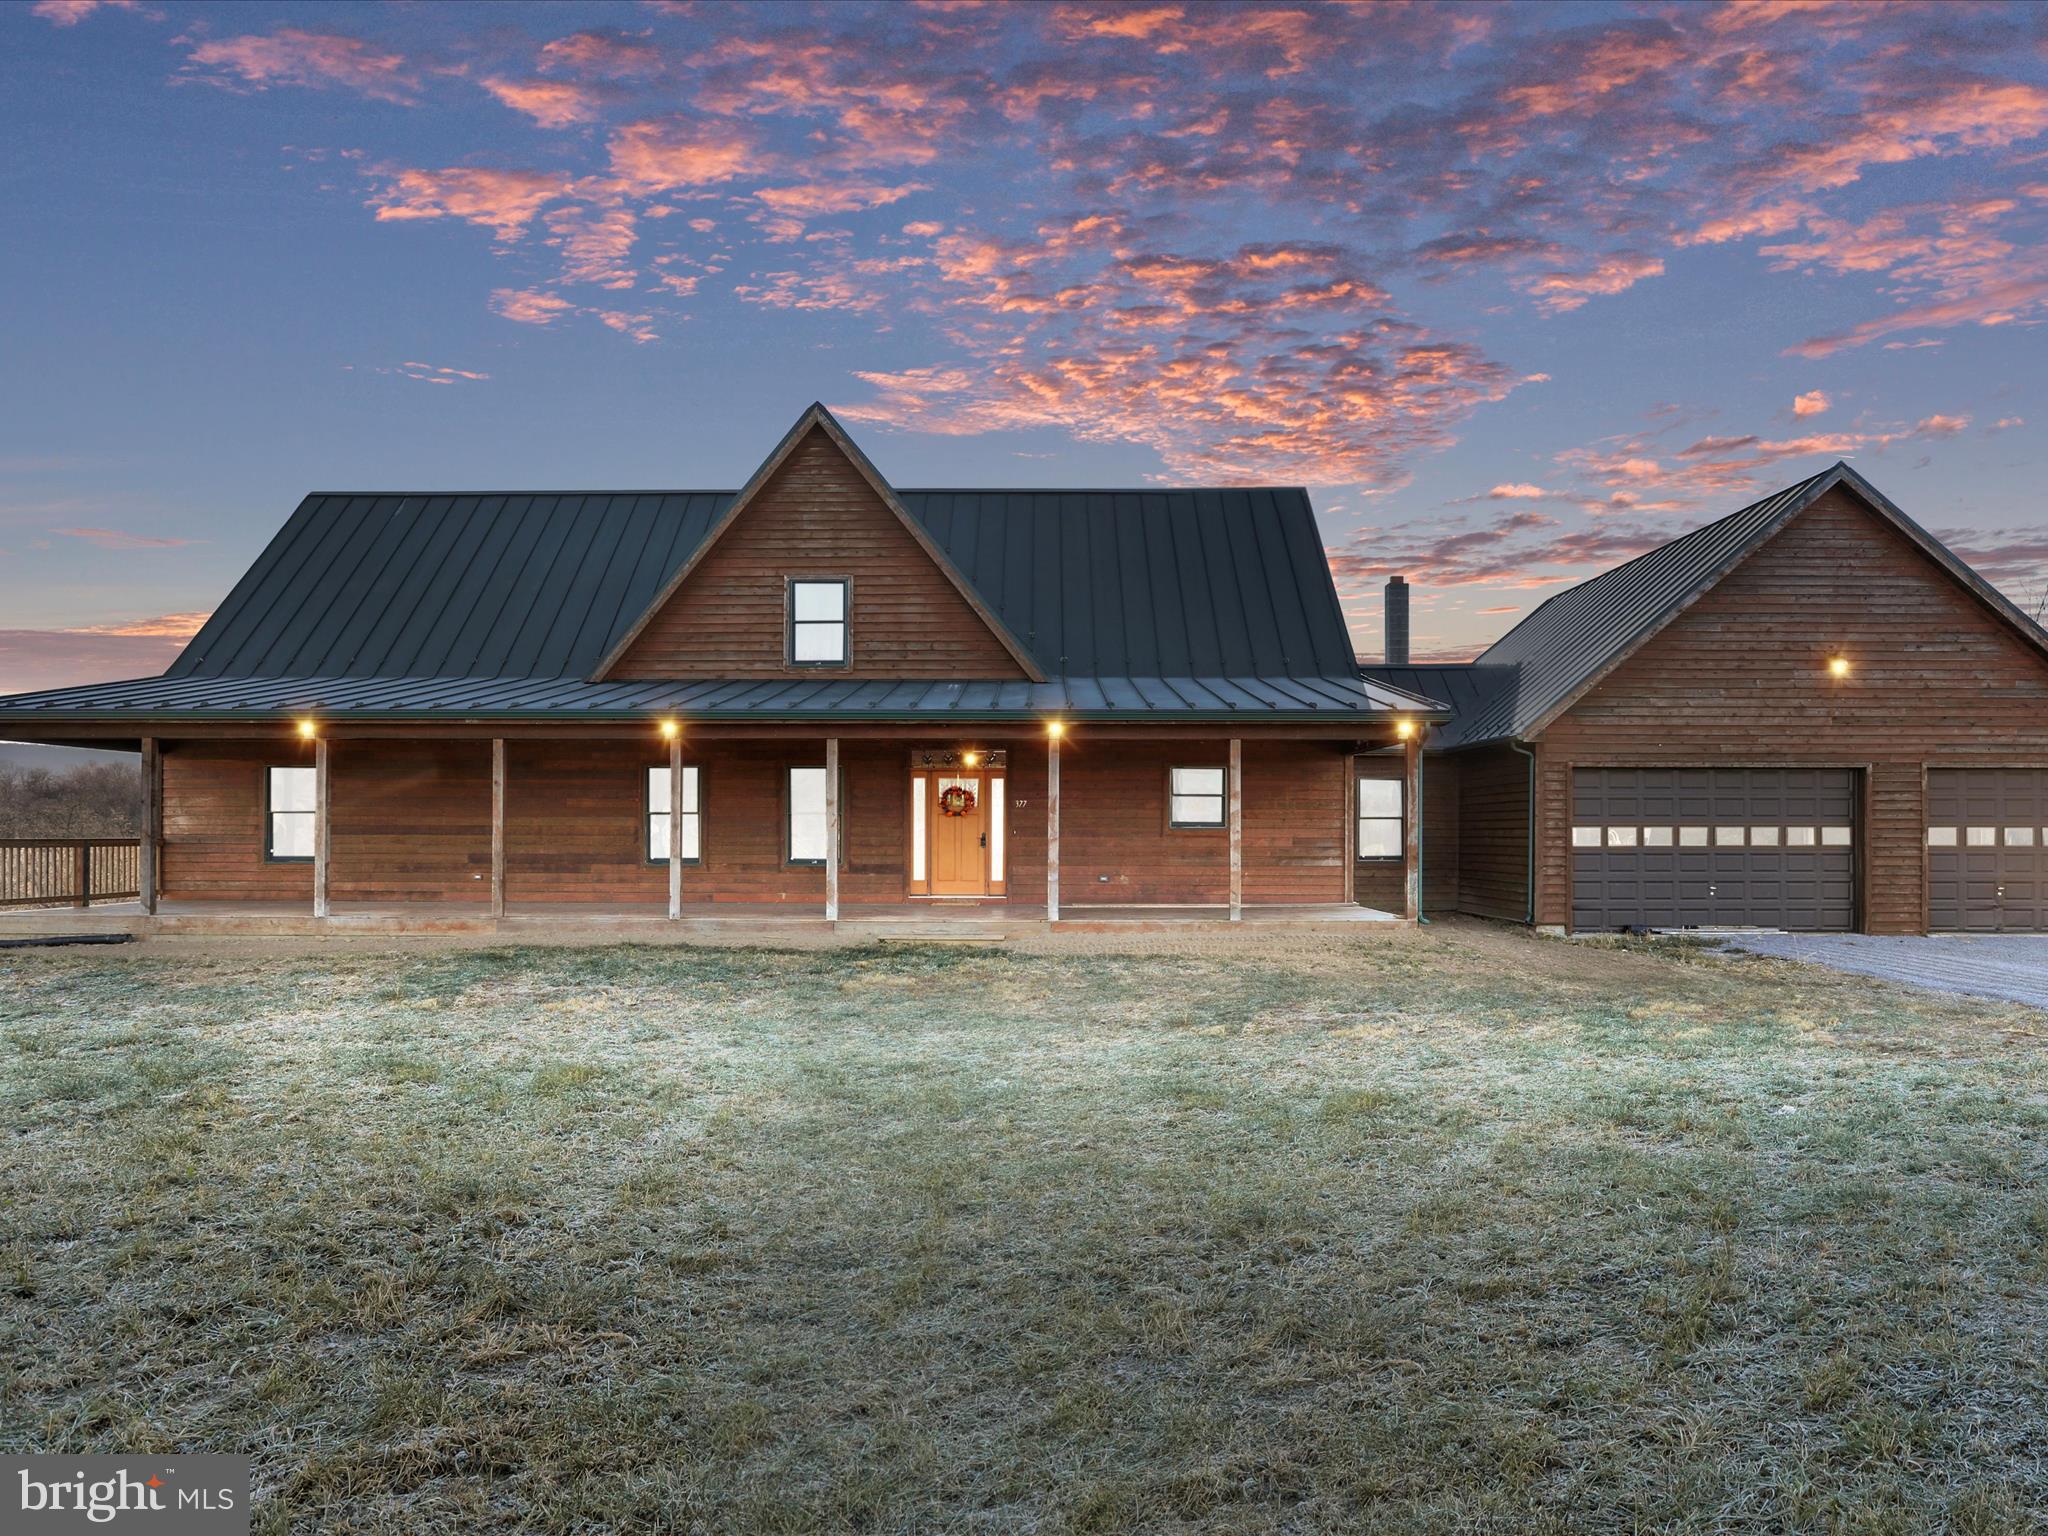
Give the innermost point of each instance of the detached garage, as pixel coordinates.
(1810, 715)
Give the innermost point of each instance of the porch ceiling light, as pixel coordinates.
(971, 759)
(670, 730)
(1055, 729)
(307, 730)
(1838, 666)
(1404, 729)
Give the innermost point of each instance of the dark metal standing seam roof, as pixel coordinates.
(1148, 603)
(1166, 583)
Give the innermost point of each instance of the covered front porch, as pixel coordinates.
(731, 922)
(347, 828)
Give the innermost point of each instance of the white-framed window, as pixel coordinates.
(1728, 837)
(1621, 837)
(817, 622)
(1380, 830)
(1692, 837)
(658, 816)
(288, 814)
(1763, 837)
(1585, 837)
(1195, 797)
(807, 815)
(1836, 837)
(1801, 837)
(1941, 837)
(1983, 837)
(2019, 837)
(1656, 837)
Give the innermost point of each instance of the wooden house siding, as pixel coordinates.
(1493, 832)
(1740, 679)
(1382, 883)
(213, 830)
(411, 823)
(816, 517)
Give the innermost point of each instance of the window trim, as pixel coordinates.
(648, 813)
(1359, 818)
(789, 586)
(789, 858)
(1222, 821)
(269, 815)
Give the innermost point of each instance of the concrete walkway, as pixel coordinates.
(2012, 966)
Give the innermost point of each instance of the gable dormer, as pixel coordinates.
(817, 570)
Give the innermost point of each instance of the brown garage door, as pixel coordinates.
(1714, 848)
(1987, 869)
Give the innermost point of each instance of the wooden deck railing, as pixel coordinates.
(69, 871)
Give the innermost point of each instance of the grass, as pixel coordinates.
(1459, 1231)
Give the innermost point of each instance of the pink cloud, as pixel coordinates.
(529, 306)
(110, 538)
(1998, 303)
(294, 56)
(668, 154)
(815, 198)
(503, 201)
(1561, 292)
(550, 103)
(608, 55)
(428, 373)
(1812, 403)
(595, 244)
(69, 13)
(171, 626)
(32, 659)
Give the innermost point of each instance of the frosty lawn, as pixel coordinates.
(1442, 1231)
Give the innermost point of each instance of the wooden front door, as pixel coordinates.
(959, 838)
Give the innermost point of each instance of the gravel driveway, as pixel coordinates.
(2013, 966)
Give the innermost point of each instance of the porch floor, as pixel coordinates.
(649, 923)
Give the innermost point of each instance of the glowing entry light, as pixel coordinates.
(1404, 729)
(970, 758)
(308, 730)
(1838, 666)
(670, 730)
(1055, 729)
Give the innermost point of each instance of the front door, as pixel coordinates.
(959, 824)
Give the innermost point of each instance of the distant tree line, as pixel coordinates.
(90, 800)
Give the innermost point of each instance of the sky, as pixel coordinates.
(1517, 292)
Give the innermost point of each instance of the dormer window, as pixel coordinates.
(817, 622)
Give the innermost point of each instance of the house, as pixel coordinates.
(821, 694)
(815, 694)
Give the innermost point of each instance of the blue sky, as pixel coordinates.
(1518, 292)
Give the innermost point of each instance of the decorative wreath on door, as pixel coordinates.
(956, 800)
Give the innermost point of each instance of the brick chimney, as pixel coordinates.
(1397, 622)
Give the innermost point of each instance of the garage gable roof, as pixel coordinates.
(1576, 638)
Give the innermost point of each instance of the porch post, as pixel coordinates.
(321, 837)
(1349, 801)
(152, 825)
(1052, 829)
(1236, 803)
(675, 827)
(831, 829)
(1411, 800)
(498, 826)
